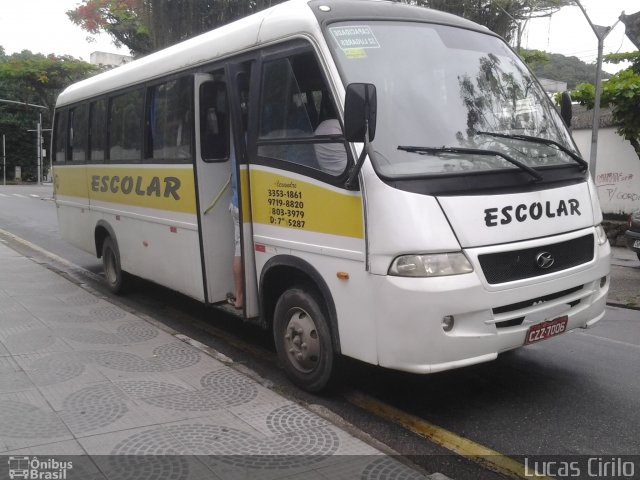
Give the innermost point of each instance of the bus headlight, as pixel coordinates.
(601, 235)
(430, 265)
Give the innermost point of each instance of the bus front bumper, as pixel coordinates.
(410, 313)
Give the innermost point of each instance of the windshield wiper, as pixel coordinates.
(527, 138)
(471, 151)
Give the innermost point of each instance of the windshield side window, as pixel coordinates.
(298, 122)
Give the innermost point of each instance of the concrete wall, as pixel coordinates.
(617, 169)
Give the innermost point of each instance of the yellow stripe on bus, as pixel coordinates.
(281, 201)
(170, 189)
(70, 181)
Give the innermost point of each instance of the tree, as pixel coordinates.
(145, 26)
(35, 79)
(121, 19)
(504, 17)
(622, 93)
(571, 70)
(43, 77)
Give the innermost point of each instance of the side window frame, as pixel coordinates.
(219, 120)
(93, 134)
(60, 135)
(73, 136)
(188, 131)
(141, 127)
(289, 50)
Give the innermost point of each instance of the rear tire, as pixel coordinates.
(115, 278)
(303, 339)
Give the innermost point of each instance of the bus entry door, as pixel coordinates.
(214, 151)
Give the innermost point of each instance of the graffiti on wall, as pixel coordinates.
(616, 188)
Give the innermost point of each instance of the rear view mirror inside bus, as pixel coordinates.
(360, 107)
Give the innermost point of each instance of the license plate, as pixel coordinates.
(636, 244)
(544, 330)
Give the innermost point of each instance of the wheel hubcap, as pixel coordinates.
(301, 341)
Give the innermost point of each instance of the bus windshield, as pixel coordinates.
(445, 92)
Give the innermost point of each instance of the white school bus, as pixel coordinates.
(408, 195)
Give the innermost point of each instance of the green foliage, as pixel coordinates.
(44, 76)
(35, 79)
(617, 58)
(584, 94)
(622, 93)
(566, 69)
(534, 58)
(123, 20)
(145, 26)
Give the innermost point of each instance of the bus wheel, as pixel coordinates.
(113, 274)
(303, 339)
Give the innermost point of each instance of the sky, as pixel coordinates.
(42, 27)
(568, 32)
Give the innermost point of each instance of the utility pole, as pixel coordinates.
(601, 33)
(39, 130)
(39, 142)
(4, 162)
(39, 149)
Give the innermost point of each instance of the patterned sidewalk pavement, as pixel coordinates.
(84, 380)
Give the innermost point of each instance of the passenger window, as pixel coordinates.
(125, 126)
(98, 130)
(78, 134)
(170, 120)
(60, 134)
(298, 122)
(214, 121)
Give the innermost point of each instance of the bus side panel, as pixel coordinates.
(324, 226)
(151, 209)
(72, 206)
(353, 298)
(160, 250)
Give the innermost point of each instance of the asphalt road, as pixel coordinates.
(29, 212)
(577, 394)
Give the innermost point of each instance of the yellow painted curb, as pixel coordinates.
(468, 449)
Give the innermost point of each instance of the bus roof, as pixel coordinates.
(281, 21)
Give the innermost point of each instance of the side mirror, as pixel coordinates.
(566, 109)
(360, 106)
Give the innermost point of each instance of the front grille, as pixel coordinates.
(519, 264)
(535, 301)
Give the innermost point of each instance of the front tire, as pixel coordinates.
(303, 339)
(115, 278)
